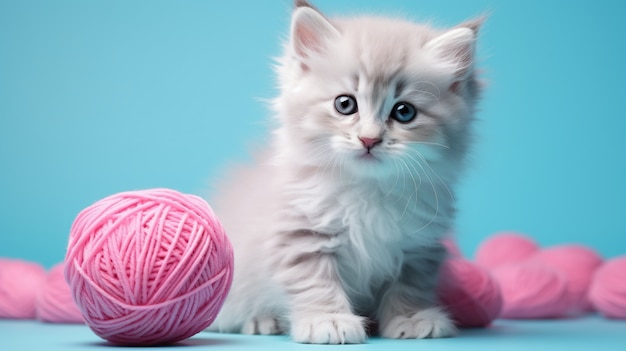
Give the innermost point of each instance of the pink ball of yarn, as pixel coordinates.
(505, 248)
(54, 301)
(608, 288)
(531, 290)
(578, 263)
(470, 294)
(148, 267)
(19, 283)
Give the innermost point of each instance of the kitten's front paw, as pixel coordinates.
(328, 328)
(428, 323)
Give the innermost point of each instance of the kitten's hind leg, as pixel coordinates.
(253, 306)
(264, 324)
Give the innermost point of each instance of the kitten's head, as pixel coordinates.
(375, 96)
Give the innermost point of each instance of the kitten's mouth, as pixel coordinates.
(368, 157)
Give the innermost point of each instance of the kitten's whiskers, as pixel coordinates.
(393, 187)
(441, 181)
(428, 143)
(433, 187)
(416, 186)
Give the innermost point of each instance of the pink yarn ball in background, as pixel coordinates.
(531, 290)
(54, 301)
(578, 263)
(505, 248)
(608, 288)
(20, 282)
(148, 267)
(470, 294)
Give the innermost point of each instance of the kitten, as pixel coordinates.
(338, 222)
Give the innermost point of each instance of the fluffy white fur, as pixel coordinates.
(330, 234)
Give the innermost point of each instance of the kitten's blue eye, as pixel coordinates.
(403, 112)
(346, 104)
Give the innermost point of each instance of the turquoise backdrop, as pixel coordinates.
(98, 97)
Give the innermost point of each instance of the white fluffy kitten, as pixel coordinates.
(339, 221)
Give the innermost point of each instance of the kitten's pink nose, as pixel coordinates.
(370, 142)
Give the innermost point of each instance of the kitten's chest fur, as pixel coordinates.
(370, 224)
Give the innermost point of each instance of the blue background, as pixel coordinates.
(98, 97)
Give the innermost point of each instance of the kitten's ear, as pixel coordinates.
(456, 47)
(474, 24)
(310, 30)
